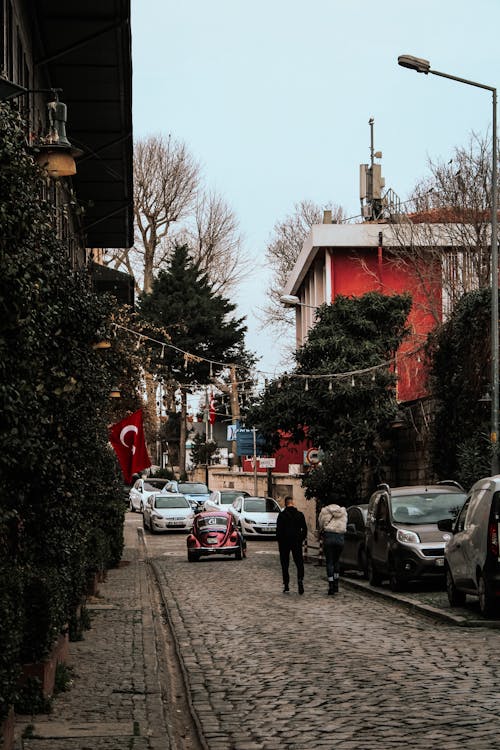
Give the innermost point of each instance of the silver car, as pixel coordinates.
(167, 513)
(141, 490)
(222, 499)
(472, 555)
(255, 516)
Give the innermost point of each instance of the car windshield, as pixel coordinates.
(154, 485)
(226, 498)
(261, 505)
(428, 507)
(171, 502)
(211, 522)
(193, 489)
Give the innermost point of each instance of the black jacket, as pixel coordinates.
(291, 527)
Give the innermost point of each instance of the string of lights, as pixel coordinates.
(304, 376)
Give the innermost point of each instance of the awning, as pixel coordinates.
(84, 48)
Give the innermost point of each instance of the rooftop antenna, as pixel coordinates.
(371, 183)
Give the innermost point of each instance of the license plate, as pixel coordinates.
(211, 541)
(174, 523)
(440, 562)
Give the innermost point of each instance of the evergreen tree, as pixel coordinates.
(198, 321)
(344, 415)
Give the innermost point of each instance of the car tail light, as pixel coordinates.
(191, 541)
(234, 536)
(493, 539)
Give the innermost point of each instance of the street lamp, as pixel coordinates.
(290, 300)
(424, 66)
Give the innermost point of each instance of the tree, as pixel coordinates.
(460, 352)
(283, 250)
(171, 207)
(448, 225)
(341, 394)
(204, 334)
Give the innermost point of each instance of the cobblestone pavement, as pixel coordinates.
(114, 702)
(271, 671)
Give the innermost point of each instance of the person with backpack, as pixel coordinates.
(332, 525)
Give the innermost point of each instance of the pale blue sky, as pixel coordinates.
(273, 97)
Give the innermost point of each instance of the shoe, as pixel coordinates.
(286, 589)
(331, 588)
(301, 587)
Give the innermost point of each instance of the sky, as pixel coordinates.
(273, 98)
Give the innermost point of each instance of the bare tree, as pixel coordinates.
(214, 237)
(448, 227)
(171, 207)
(282, 251)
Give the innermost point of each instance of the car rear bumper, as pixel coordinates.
(214, 551)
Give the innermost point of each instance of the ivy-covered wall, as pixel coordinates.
(61, 506)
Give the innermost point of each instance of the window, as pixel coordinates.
(460, 524)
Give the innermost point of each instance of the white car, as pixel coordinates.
(222, 499)
(255, 516)
(142, 489)
(167, 513)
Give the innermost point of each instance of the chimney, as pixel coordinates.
(327, 217)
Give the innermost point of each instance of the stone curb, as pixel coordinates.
(415, 606)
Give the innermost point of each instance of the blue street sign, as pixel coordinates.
(244, 442)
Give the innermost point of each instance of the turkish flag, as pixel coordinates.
(211, 412)
(127, 439)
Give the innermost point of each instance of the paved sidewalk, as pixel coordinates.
(115, 700)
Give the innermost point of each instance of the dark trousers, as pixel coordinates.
(298, 558)
(332, 547)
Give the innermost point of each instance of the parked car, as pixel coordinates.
(472, 555)
(214, 533)
(142, 489)
(167, 512)
(353, 555)
(255, 516)
(403, 541)
(223, 498)
(196, 492)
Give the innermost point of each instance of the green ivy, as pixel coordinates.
(60, 492)
(460, 353)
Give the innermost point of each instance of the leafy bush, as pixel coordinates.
(60, 485)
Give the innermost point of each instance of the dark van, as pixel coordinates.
(403, 541)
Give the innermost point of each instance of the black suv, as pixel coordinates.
(403, 541)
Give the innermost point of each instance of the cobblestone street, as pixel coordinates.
(270, 671)
(264, 670)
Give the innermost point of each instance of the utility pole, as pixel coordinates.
(235, 412)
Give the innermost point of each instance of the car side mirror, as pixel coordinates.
(446, 524)
(351, 528)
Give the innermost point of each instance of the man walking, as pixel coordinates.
(291, 531)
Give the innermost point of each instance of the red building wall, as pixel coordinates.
(356, 273)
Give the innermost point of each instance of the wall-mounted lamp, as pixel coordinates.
(102, 344)
(290, 300)
(53, 151)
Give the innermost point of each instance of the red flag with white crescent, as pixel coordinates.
(211, 412)
(127, 439)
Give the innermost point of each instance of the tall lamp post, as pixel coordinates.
(424, 66)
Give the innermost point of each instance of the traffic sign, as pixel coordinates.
(311, 457)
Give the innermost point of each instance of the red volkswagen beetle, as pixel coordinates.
(214, 533)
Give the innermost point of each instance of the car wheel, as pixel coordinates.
(456, 598)
(193, 557)
(131, 506)
(487, 603)
(239, 552)
(395, 582)
(141, 507)
(362, 563)
(144, 523)
(374, 578)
